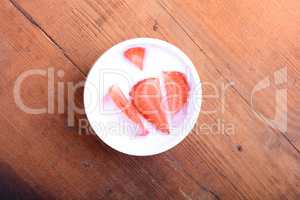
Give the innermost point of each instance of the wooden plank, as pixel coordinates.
(249, 164)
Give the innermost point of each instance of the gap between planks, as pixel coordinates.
(37, 25)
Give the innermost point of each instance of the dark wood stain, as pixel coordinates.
(155, 26)
(12, 187)
(239, 148)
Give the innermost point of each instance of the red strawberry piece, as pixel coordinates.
(147, 98)
(177, 90)
(127, 108)
(136, 56)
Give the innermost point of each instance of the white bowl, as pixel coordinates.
(111, 68)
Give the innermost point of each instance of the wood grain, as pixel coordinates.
(230, 42)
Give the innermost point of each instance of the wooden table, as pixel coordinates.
(241, 49)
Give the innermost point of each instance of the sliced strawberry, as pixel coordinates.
(127, 108)
(136, 56)
(147, 98)
(177, 90)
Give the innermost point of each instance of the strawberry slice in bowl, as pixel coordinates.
(147, 98)
(177, 90)
(136, 56)
(127, 108)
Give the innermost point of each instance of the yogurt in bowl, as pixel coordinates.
(143, 96)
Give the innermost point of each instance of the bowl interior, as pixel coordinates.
(112, 69)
